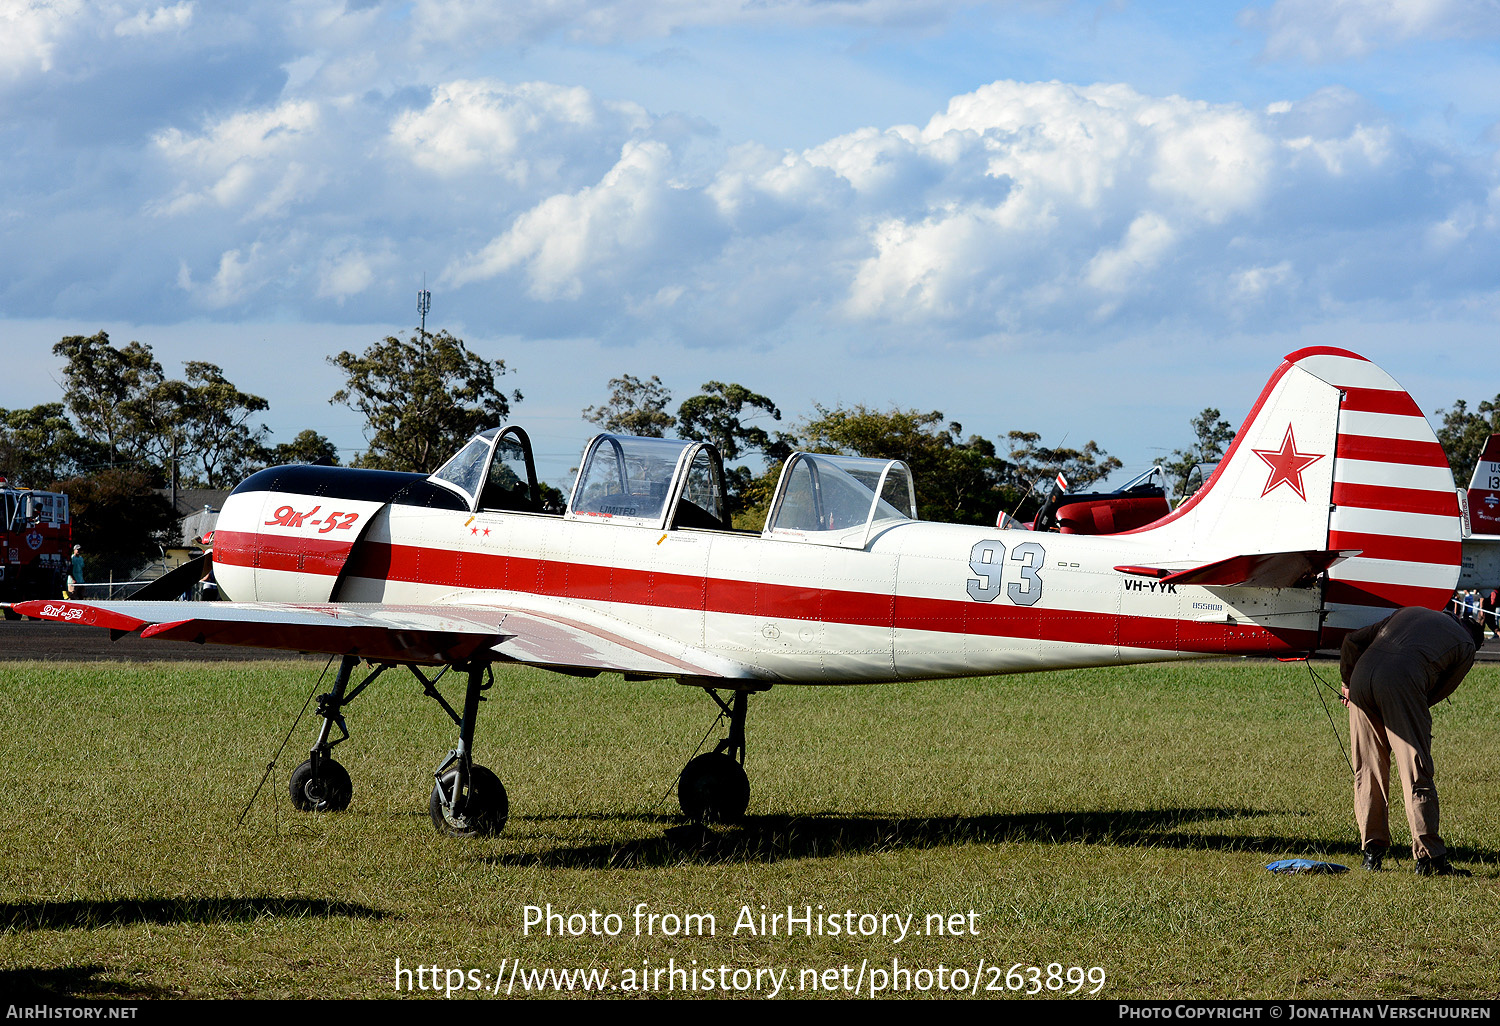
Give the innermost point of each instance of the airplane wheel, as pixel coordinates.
(487, 810)
(329, 791)
(713, 788)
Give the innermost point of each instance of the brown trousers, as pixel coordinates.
(1395, 721)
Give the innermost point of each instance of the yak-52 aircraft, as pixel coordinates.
(1333, 504)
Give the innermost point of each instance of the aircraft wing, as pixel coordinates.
(429, 634)
(1253, 570)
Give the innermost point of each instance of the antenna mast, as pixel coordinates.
(424, 303)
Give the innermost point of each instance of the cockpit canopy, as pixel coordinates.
(495, 471)
(650, 482)
(665, 483)
(840, 500)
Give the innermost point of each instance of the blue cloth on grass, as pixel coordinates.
(1305, 866)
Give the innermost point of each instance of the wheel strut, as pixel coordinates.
(467, 800)
(713, 787)
(320, 784)
(736, 708)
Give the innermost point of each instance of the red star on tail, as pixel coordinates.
(1287, 465)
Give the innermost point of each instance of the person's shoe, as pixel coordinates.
(1439, 866)
(1373, 857)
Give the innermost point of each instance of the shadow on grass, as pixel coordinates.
(773, 838)
(64, 915)
(74, 981)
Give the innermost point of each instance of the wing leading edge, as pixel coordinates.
(394, 633)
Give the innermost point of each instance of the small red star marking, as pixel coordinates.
(1287, 465)
(486, 532)
(473, 530)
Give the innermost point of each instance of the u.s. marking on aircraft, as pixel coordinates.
(1333, 504)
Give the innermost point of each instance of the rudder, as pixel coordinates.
(1393, 499)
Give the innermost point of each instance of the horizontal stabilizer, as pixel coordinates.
(1254, 570)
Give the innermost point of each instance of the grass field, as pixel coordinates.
(1118, 819)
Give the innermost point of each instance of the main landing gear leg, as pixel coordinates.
(713, 787)
(320, 784)
(467, 800)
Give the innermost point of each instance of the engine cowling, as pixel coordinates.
(286, 533)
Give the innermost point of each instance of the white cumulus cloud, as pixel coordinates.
(349, 269)
(1020, 205)
(1147, 239)
(599, 232)
(32, 32)
(237, 276)
(1035, 174)
(534, 132)
(246, 161)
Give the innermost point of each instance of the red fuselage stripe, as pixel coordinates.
(586, 582)
(322, 556)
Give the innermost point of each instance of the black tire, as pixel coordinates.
(713, 788)
(329, 791)
(486, 812)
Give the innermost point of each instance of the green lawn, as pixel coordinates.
(1117, 820)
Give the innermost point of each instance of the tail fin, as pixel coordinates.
(1484, 490)
(1334, 456)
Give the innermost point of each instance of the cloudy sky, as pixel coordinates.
(1087, 219)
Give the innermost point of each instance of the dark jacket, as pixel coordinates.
(1432, 649)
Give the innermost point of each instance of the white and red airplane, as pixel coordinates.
(1333, 504)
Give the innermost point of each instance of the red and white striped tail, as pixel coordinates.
(1392, 498)
(1484, 490)
(1333, 457)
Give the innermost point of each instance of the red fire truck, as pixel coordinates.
(36, 542)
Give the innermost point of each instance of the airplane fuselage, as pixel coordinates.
(921, 600)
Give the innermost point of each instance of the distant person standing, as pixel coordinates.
(208, 586)
(75, 573)
(1393, 672)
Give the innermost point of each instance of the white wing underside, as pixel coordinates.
(570, 639)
